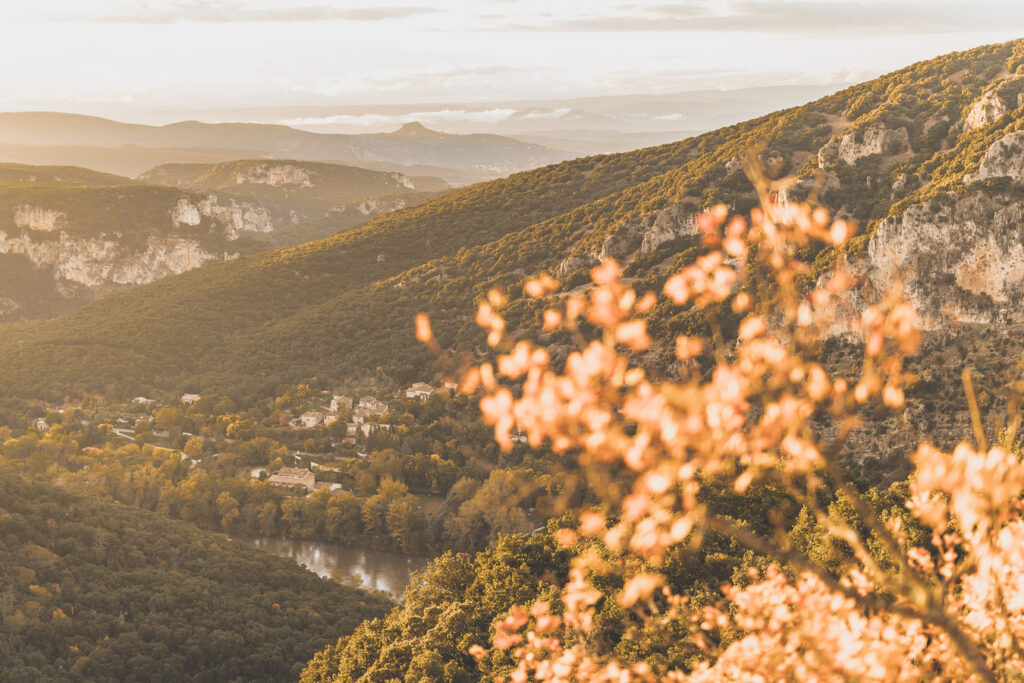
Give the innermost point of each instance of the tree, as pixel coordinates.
(194, 447)
(169, 419)
(227, 508)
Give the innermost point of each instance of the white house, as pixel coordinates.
(189, 399)
(339, 403)
(373, 406)
(311, 419)
(287, 477)
(420, 390)
(143, 401)
(41, 424)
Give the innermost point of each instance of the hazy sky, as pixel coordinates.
(114, 56)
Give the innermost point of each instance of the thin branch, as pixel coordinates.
(972, 402)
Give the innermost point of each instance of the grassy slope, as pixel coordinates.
(344, 305)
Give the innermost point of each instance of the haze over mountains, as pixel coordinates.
(129, 149)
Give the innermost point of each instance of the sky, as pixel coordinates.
(130, 58)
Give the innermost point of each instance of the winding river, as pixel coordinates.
(377, 569)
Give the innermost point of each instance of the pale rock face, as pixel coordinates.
(734, 164)
(185, 213)
(99, 261)
(275, 175)
(987, 109)
(403, 181)
(960, 259)
(874, 140)
(38, 218)
(641, 235)
(668, 224)
(8, 306)
(1003, 159)
(236, 216)
(374, 207)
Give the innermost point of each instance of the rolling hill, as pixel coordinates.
(31, 135)
(297, 192)
(71, 235)
(922, 158)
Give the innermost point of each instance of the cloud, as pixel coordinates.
(792, 16)
(228, 11)
(386, 121)
(437, 77)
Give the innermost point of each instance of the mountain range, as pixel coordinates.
(129, 149)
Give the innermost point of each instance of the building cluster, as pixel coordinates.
(365, 413)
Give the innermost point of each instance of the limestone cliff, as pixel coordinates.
(94, 262)
(636, 237)
(988, 108)
(275, 175)
(1003, 159)
(958, 257)
(855, 145)
(233, 217)
(38, 218)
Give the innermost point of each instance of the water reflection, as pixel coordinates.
(377, 569)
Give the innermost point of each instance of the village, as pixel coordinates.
(323, 427)
(411, 469)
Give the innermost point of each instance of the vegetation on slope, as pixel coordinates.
(342, 307)
(95, 591)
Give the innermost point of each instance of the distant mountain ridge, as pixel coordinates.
(483, 155)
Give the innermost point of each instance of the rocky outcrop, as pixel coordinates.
(1003, 159)
(639, 236)
(38, 218)
(375, 207)
(8, 306)
(988, 108)
(234, 217)
(103, 261)
(959, 257)
(675, 221)
(186, 213)
(403, 180)
(855, 145)
(275, 175)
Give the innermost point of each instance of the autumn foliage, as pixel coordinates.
(946, 604)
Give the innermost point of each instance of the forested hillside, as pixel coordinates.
(94, 591)
(342, 307)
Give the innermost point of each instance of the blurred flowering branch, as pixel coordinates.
(950, 610)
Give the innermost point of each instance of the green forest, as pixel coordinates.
(95, 591)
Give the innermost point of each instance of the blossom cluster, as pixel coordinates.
(750, 408)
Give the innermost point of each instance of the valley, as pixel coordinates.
(306, 404)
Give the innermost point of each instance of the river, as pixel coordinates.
(377, 569)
